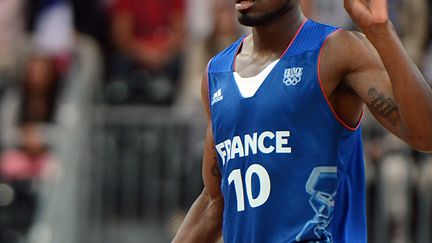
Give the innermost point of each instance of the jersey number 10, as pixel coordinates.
(264, 181)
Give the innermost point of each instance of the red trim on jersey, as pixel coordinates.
(286, 49)
(325, 96)
(295, 36)
(208, 85)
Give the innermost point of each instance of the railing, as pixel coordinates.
(149, 162)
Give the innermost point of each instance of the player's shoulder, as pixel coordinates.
(343, 40)
(351, 48)
(223, 60)
(346, 52)
(339, 39)
(231, 47)
(350, 36)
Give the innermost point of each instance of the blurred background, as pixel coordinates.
(101, 126)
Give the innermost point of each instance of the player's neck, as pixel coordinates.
(275, 36)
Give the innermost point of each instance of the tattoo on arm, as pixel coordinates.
(215, 168)
(385, 107)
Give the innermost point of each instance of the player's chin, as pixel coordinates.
(248, 19)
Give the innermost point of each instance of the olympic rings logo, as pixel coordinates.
(292, 80)
(292, 76)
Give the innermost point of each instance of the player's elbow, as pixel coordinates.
(212, 215)
(424, 148)
(213, 201)
(422, 143)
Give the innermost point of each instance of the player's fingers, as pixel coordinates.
(348, 4)
(357, 7)
(379, 7)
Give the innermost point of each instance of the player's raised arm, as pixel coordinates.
(203, 223)
(386, 78)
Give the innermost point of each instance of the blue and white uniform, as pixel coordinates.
(291, 170)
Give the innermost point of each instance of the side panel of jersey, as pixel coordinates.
(284, 157)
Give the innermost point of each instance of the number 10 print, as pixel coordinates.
(265, 185)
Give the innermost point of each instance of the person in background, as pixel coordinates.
(50, 24)
(22, 168)
(225, 30)
(13, 41)
(32, 98)
(427, 60)
(328, 12)
(30, 159)
(40, 89)
(425, 161)
(147, 37)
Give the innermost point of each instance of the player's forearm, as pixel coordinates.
(203, 222)
(412, 93)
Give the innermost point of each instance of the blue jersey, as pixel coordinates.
(291, 170)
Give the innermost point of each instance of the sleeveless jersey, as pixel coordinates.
(291, 170)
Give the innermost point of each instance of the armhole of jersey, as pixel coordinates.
(209, 97)
(332, 110)
(208, 83)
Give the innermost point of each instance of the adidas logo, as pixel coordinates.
(292, 76)
(217, 96)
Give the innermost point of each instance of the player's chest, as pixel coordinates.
(286, 90)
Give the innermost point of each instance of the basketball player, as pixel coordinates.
(283, 155)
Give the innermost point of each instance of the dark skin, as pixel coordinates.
(355, 69)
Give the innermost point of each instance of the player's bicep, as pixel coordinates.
(374, 88)
(371, 83)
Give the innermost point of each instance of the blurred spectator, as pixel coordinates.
(20, 170)
(148, 39)
(52, 30)
(40, 89)
(30, 159)
(424, 213)
(329, 12)
(225, 30)
(13, 40)
(32, 99)
(410, 18)
(89, 16)
(199, 10)
(427, 61)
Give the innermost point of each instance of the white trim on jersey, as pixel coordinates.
(249, 86)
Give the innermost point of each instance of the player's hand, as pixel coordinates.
(367, 13)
